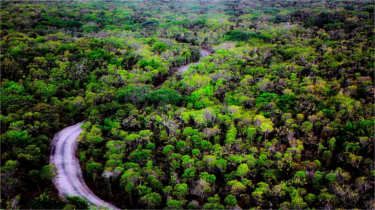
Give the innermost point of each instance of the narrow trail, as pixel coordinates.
(69, 179)
(181, 69)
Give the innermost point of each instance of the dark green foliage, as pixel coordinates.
(153, 63)
(99, 54)
(154, 183)
(237, 36)
(266, 98)
(164, 96)
(151, 24)
(151, 200)
(136, 95)
(150, 146)
(243, 36)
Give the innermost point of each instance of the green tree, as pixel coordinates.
(154, 183)
(236, 187)
(151, 200)
(330, 178)
(46, 173)
(298, 202)
(266, 128)
(209, 178)
(231, 135)
(306, 127)
(261, 192)
(251, 133)
(195, 152)
(310, 198)
(77, 202)
(175, 204)
(242, 170)
(168, 150)
(159, 47)
(180, 191)
(133, 94)
(129, 189)
(164, 96)
(213, 203)
(189, 174)
(331, 144)
(93, 169)
(9, 178)
(230, 200)
(150, 146)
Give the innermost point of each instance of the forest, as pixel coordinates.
(280, 115)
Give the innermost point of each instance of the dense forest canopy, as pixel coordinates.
(280, 115)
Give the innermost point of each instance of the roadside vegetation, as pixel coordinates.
(280, 115)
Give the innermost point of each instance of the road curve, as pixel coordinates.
(204, 53)
(69, 179)
(181, 69)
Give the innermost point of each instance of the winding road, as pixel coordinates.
(69, 179)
